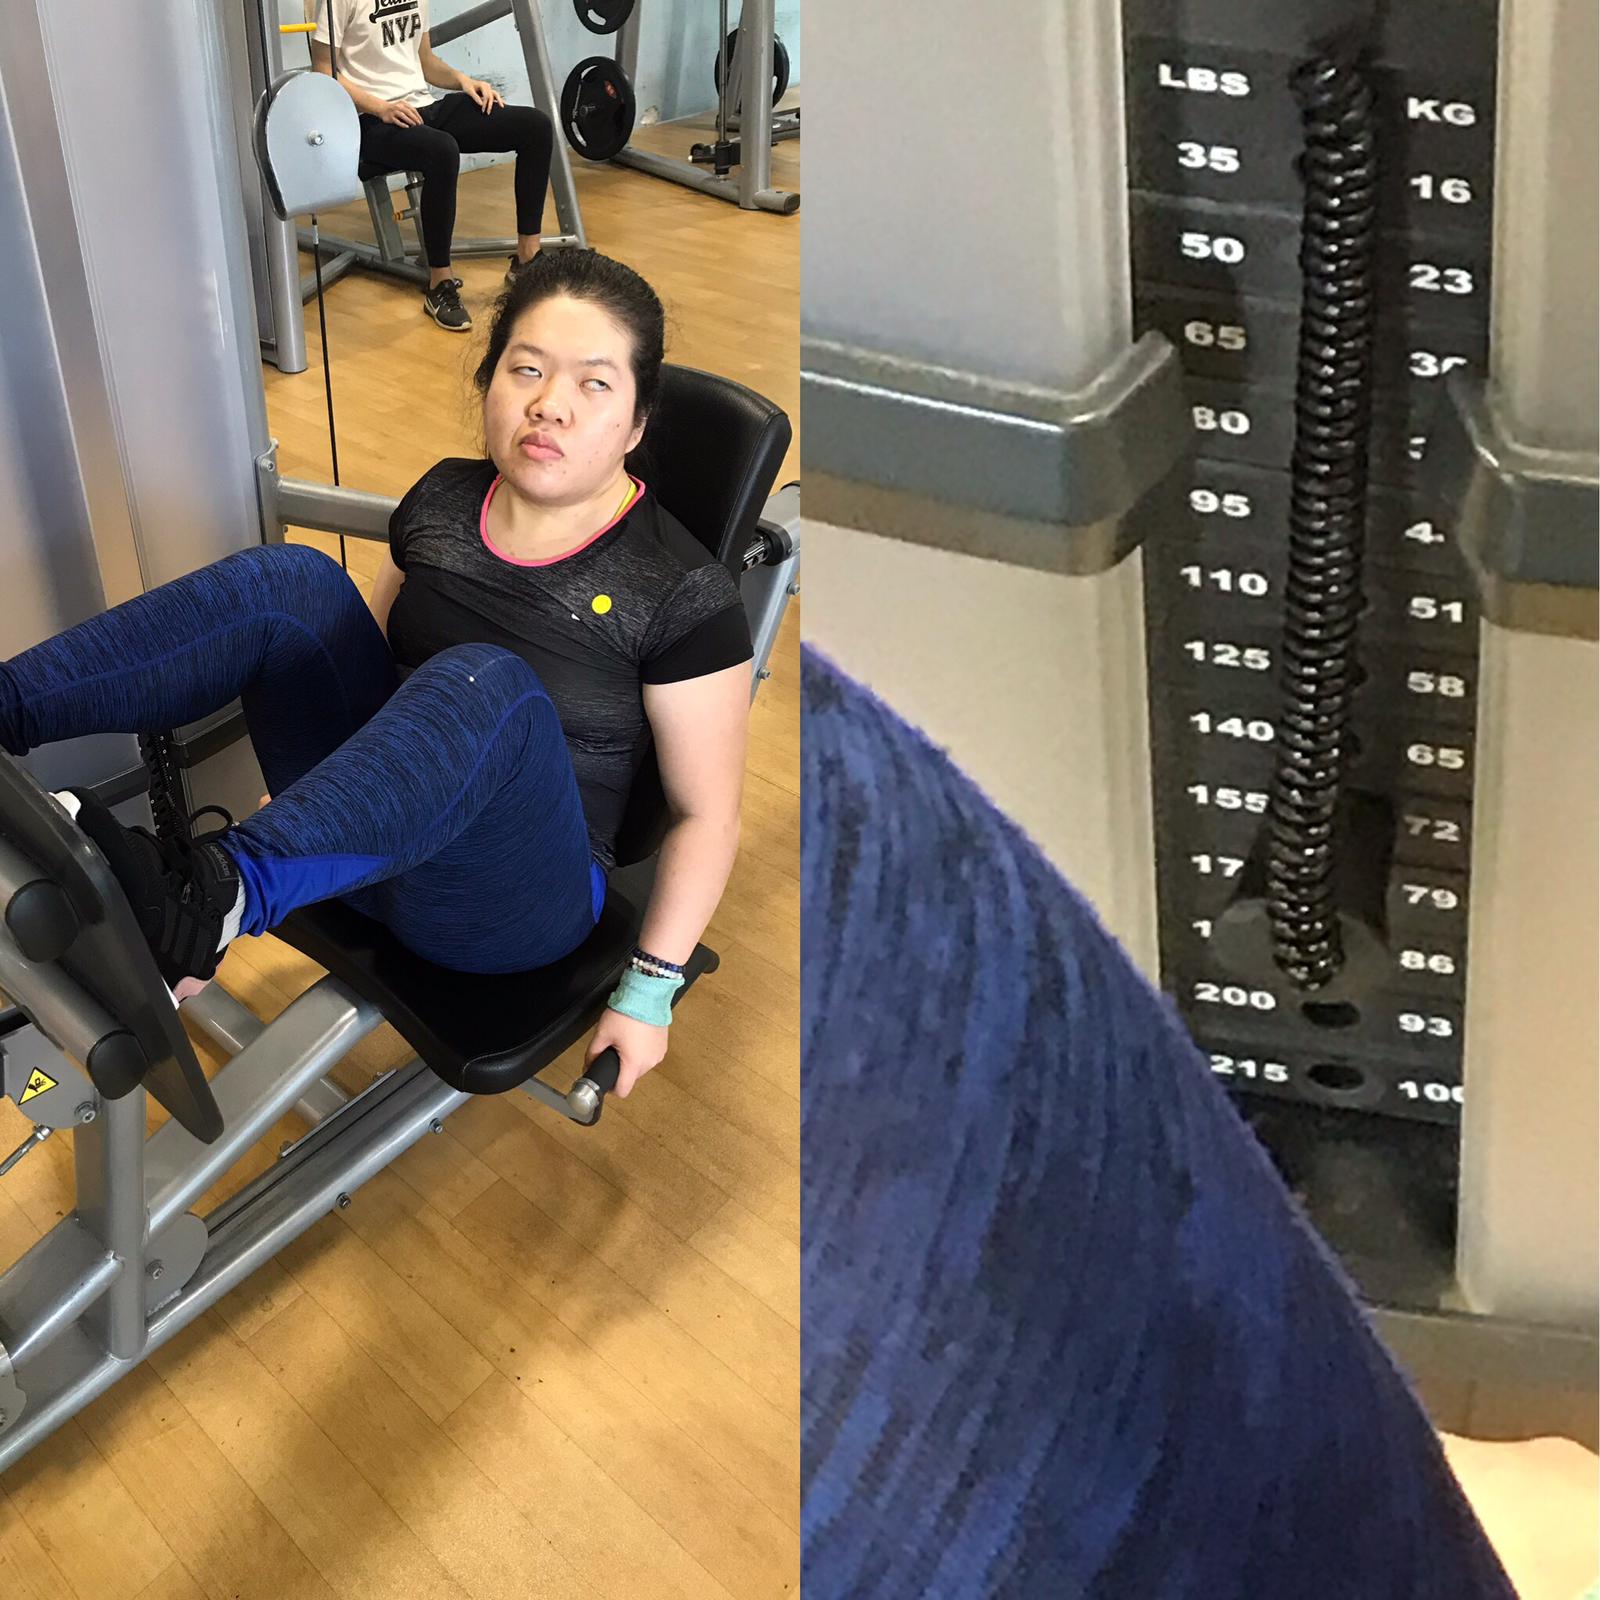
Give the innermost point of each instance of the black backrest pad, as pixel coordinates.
(107, 957)
(710, 454)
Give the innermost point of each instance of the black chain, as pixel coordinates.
(1327, 516)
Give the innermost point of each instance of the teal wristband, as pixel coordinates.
(644, 998)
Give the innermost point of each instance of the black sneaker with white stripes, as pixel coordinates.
(443, 303)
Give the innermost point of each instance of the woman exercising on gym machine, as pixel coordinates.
(463, 780)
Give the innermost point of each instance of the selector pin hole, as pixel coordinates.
(1331, 1014)
(1336, 1077)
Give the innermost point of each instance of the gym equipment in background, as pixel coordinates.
(598, 107)
(87, 1030)
(1315, 728)
(255, 60)
(307, 144)
(728, 59)
(603, 16)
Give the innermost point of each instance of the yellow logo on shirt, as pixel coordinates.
(600, 604)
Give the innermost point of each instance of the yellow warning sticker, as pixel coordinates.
(39, 1082)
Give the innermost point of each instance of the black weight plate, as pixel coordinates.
(780, 69)
(603, 16)
(597, 108)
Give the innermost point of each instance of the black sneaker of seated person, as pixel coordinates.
(181, 897)
(516, 268)
(443, 303)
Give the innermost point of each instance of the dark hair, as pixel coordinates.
(617, 290)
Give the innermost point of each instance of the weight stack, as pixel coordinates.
(1217, 203)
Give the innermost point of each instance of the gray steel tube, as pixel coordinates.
(468, 21)
(334, 510)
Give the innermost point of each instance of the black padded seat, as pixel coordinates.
(480, 1034)
(711, 456)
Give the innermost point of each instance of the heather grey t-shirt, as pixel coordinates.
(642, 602)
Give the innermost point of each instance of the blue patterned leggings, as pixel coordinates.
(445, 805)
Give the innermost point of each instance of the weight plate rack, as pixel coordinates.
(1216, 198)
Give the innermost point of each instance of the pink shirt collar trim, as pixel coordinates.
(550, 561)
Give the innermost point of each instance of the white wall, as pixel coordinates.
(1033, 683)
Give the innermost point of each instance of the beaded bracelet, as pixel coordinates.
(653, 966)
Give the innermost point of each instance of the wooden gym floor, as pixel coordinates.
(530, 1359)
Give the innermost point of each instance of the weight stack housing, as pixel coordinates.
(1218, 214)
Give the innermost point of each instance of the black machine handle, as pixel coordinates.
(587, 1095)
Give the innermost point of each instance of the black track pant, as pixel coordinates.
(453, 125)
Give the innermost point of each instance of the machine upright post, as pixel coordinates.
(255, 59)
(283, 248)
(109, 1160)
(756, 24)
(627, 50)
(537, 55)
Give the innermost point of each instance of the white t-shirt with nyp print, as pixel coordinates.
(379, 46)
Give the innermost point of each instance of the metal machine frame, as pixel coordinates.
(131, 1264)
